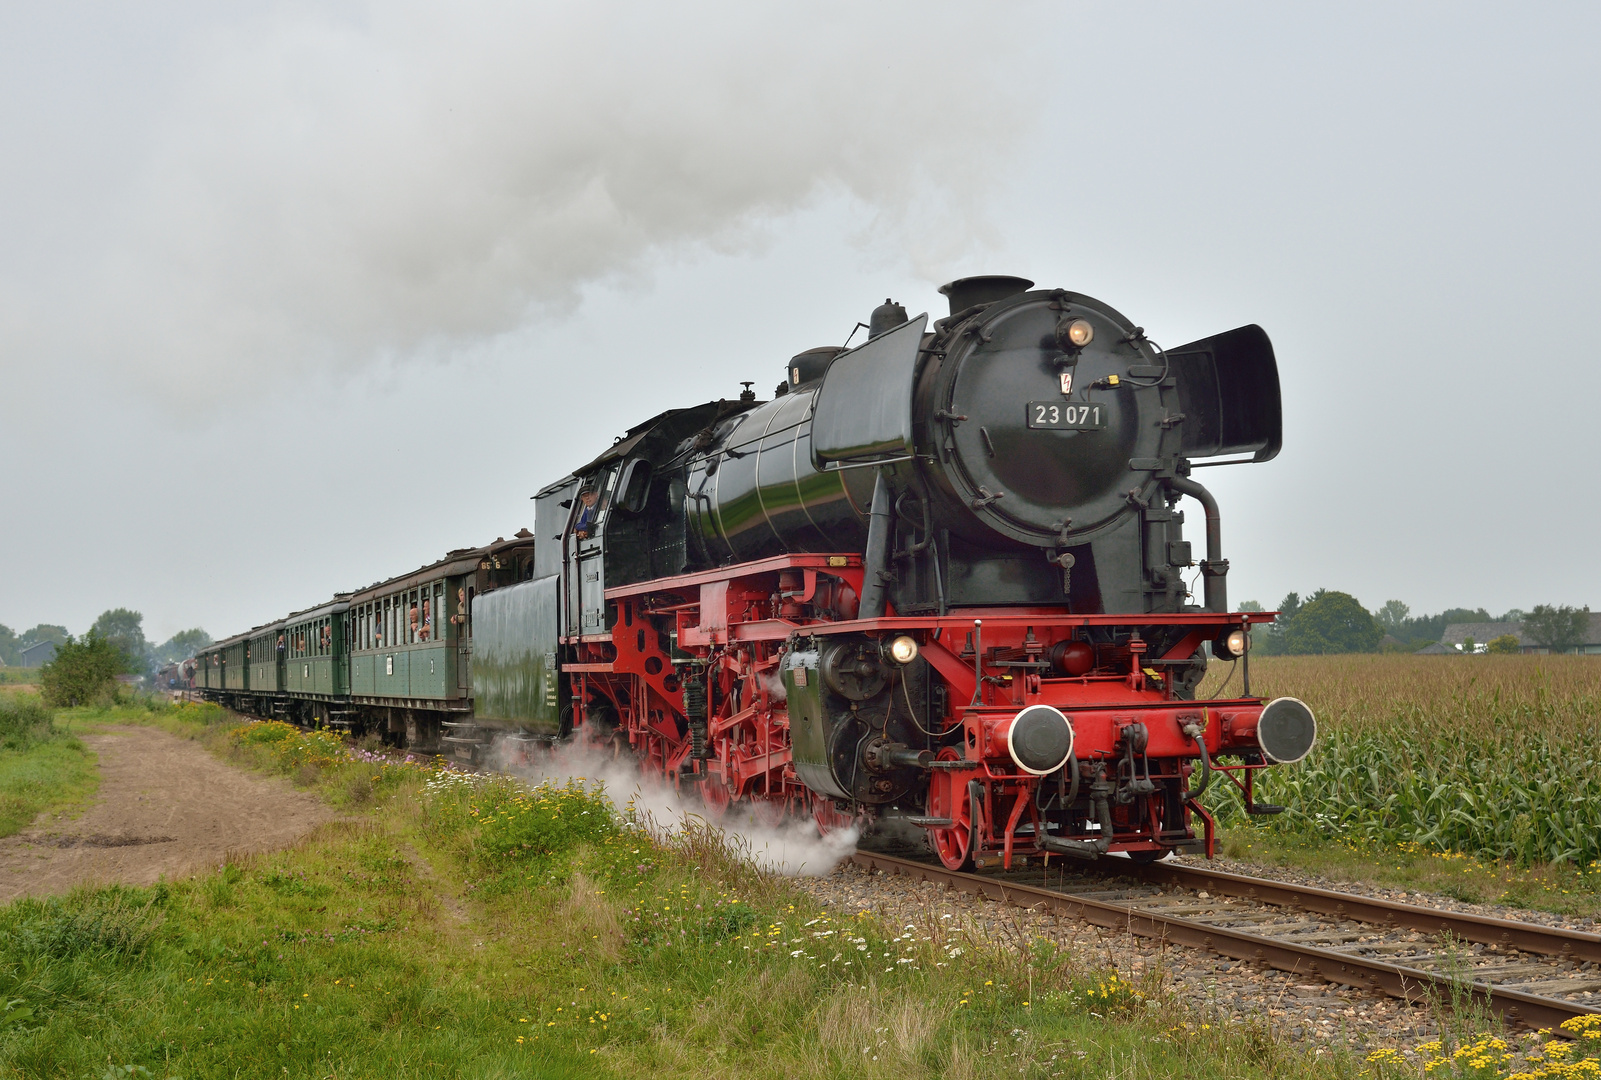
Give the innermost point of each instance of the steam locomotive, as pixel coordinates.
(939, 576)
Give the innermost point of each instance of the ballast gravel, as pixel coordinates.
(1210, 988)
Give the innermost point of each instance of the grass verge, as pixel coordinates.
(472, 927)
(43, 766)
(1558, 888)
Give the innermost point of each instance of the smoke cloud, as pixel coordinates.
(323, 189)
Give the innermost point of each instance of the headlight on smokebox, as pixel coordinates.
(902, 649)
(1232, 645)
(1039, 740)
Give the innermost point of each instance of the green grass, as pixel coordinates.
(43, 766)
(472, 928)
(19, 676)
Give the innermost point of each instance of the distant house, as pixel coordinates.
(1482, 633)
(38, 654)
(1436, 649)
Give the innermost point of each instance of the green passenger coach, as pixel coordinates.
(235, 666)
(264, 654)
(317, 663)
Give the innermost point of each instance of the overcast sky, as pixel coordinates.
(295, 297)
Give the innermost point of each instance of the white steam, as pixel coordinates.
(326, 187)
(793, 848)
(774, 686)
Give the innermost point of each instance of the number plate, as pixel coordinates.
(1066, 416)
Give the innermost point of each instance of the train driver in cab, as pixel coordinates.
(588, 510)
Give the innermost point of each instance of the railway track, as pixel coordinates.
(1531, 975)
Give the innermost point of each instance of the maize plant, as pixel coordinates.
(1495, 756)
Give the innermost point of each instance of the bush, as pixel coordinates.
(84, 672)
(23, 721)
(1506, 644)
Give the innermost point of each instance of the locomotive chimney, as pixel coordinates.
(967, 292)
(886, 317)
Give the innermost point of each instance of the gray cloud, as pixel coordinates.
(318, 189)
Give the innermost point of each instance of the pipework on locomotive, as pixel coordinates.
(939, 577)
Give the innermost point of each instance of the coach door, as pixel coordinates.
(585, 592)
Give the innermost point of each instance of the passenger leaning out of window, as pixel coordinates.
(427, 630)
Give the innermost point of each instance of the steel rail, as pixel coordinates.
(1529, 937)
(1408, 984)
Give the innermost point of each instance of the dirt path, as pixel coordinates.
(166, 808)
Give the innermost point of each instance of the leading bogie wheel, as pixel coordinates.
(950, 797)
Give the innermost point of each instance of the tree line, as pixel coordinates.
(1335, 622)
(122, 630)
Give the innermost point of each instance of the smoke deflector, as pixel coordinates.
(864, 407)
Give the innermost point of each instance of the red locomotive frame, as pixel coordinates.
(981, 807)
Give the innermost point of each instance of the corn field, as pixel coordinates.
(1496, 756)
